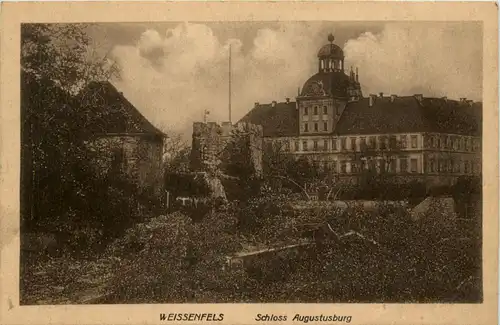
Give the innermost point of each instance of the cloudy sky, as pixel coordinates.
(172, 72)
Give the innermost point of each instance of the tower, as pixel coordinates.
(330, 57)
(325, 94)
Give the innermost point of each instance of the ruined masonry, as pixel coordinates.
(210, 145)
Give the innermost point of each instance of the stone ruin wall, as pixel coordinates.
(210, 141)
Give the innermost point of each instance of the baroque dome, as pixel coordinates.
(331, 51)
(327, 84)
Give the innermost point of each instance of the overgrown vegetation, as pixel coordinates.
(61, 190)
(358, 256)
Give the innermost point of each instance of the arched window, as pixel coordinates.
(336, 65)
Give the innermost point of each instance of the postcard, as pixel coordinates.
(249, 163)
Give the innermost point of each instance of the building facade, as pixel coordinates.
(336, 127)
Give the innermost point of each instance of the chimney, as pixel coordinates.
(371, 99)
(273, 104)
(381, 95)
(418, 97)
(393, 98)
(288, 100)
(256, 104)
(470, 102)
(357, 80)
(463, 99)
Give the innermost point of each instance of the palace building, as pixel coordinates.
(333, 124)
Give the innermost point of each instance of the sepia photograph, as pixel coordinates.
(200, 162)
(249, 163)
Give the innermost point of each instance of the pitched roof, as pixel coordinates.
(454, 116)
(408, 114)
(279, 121)
(108, 111)
(404, 114)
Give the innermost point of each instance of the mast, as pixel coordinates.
(229, 73)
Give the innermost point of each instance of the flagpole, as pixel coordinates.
(229, 73)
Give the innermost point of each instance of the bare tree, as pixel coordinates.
(299, 170)
(374, 163)
(176, 151)
(64, 54)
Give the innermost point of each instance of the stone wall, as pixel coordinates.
(209, 151)
(250, 136)
(206, 147)
(137, 158)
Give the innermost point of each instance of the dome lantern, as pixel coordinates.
(331, 57)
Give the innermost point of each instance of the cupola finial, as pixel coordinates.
(331, 38)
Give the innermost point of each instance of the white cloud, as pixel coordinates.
(433, 59)
(173, 76)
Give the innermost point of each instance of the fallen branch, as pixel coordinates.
(225, 176)
(351, 233)
(330, 192)
(293, 182)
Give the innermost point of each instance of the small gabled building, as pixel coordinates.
(125, 143)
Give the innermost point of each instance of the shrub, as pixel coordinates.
(176, 260)
(381, 255)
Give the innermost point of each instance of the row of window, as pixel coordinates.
(315, 127)
(384, 142)
(316, 110)
(376, 165)
(364, 143)
(452, 142)
(405, 165)
(330, 64)
(451, 166)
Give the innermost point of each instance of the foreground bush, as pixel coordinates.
(174, 260)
